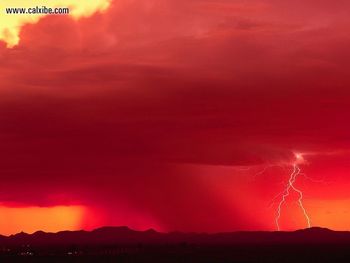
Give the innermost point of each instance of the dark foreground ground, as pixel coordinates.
(124, 245)
(285, 253)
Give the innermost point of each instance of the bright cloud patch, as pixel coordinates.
(10, 24)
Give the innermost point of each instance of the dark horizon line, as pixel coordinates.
(176, 231)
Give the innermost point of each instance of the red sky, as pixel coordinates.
(164, 113)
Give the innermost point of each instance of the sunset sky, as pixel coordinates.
(174, 115)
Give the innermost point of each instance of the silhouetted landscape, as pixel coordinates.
(121, 244)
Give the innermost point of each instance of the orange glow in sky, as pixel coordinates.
(48, 219)
(333, 214)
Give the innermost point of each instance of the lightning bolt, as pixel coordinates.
(291, 186)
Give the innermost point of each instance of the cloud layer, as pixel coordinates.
(147, 111)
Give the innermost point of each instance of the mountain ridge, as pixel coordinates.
(126, 228)
(125, 235)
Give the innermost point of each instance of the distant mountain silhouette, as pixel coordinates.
(121, 244)
(124, 235)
